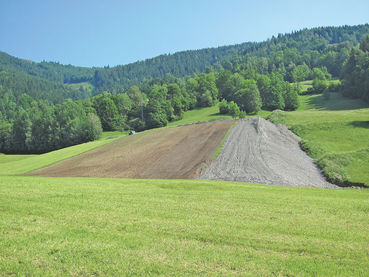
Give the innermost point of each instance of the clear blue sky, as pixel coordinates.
(102, 32)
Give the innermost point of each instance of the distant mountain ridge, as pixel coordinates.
(180, 64)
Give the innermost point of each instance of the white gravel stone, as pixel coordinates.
(258, 151)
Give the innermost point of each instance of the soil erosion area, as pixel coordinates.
(258, 151)
(180, 153)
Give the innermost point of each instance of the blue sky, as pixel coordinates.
(112, 32)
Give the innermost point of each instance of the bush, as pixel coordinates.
(319, 85)
(230, 108)
(223, 107)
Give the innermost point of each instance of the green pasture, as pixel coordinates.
(334, 131)
(118, 227)
(21, 164)
(208, 114)
(12, 158)
(305, 85)
(88, 87)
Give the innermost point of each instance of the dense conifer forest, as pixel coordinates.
(45, 106)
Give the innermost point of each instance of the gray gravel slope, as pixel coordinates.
(258, 151)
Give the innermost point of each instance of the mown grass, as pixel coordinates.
(12, 158)
(305, 85)
(21, 164)
(208, 114)
(200, 114)
(115, 227)
(335, 132)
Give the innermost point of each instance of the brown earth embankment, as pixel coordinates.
(173, 153)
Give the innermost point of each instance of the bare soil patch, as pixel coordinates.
(173, 153)
(258, 151)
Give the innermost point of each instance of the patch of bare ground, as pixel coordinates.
(173, 153)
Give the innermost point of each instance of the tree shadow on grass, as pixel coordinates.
(337, 102)
(360, 124)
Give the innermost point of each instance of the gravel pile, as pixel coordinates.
(258, 151)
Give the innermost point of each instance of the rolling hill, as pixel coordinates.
(326, 42)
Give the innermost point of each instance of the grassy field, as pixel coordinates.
(207, 114)
(335, 132)
(305, 85)
(88, 87)
(85, 226)
(12, 158)
(92, 227)
(21, 164)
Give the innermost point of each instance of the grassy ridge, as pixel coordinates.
(83, 226)
(335, 132)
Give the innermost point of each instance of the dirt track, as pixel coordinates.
(179, 153)
(258, 151)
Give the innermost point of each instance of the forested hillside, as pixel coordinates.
(324, 46)
(51, 71)
(243, 79)
(287, 54)
(14, 84)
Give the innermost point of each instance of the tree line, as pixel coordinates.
(288, 54)
(36, 118)
(29, 126)
(355, 77)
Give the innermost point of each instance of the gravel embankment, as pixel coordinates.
(258, 151)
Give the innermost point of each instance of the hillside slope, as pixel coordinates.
(335, 132)
(318, 44)
(179, 153)
(258, 151)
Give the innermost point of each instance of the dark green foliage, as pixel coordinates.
(223, 107)
(151, 93)
(290, 96)
(323, 46)
(300, 73)
(230, 108)
(51, 71)
(319, 85)
(272, 92)
(93, 129)
(355, 77)
(38, 127)
(364, 44)
(248, 97)
(17, 84)
(108, 112)
(233, 109)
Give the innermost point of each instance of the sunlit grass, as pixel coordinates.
(33, 162)
(115, 227)
(336, 126)
(208, 114)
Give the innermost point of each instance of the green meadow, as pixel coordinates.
(21, 164)
(335, 132)
(208, 114)
(131, 227)
(118, 227)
